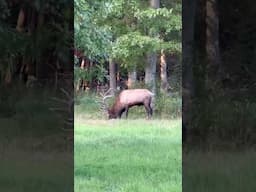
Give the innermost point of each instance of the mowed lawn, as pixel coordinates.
(128, 155)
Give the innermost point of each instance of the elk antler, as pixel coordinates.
(105, 95)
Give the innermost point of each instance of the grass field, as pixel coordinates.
(30, 162)
(41, 172)
(34, 153)
(128, 155)
(33, 161)
(219, 171)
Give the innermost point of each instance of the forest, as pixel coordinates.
(36, 73)
(129, 44)
(123, 39)
(36, 55)
(218, 95)
(218, 74)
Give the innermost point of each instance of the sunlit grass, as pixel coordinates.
(127, 155)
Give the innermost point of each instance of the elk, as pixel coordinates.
(127, 99)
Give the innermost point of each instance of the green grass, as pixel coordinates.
(127, 155)
(219, 171)
(41, 172)
(34, 153)
(31, 163)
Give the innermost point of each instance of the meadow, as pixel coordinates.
(219, 171)
(34, 152)
(127, 155)
(25, 171)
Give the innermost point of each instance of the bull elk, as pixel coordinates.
(127, 99)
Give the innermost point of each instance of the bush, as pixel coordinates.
(87, 104)
(229, 123)
(168, 106)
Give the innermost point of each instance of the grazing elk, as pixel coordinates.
(127, 99)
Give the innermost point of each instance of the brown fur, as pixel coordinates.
(129, 98)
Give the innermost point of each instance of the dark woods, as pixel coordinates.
(218, 73)
(36, 55)
(36, 95)
(36, 42)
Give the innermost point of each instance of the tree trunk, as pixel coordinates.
(150, 71)
(188, 33)
(188, 59)
(132, 77)
(19, 28)
(150, 68)
(20, 20)
(163, 70)
(8, 76)
(212, 43)
(112, 76)
(40, 62)
(155, 4)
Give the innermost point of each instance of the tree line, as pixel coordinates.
(125, 43)
(36, 42)
(218, 72)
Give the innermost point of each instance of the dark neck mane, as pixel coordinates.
(116, 107)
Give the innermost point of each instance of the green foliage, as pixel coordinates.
(50, 37)
(93, 39)
(159, 20)
(168, 106)
(5, 12)
(16, 42)
(97, 72)
(220, 128)
(122, 29)
(131, 47)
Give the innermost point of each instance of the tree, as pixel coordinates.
(188, 59)
(163, 72)
(112, 76)
(125, 32)
(132, 77)
(212, 43)
(150, 67)
(36, 46)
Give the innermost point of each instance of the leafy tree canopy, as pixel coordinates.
(123, 29)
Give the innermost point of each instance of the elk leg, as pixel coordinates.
(148, 110)
(126, 112)
(120, 113)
